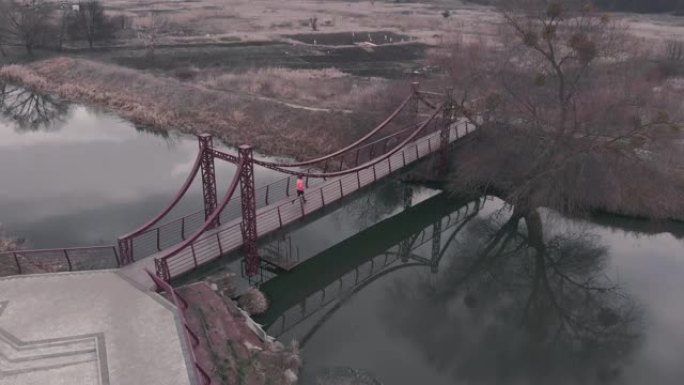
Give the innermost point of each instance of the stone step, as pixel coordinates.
(46, 361)
(12, 348)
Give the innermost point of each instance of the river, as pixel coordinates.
(76, 176)
(601, 304)
(401, 285)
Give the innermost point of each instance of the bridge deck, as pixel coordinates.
(228, 237)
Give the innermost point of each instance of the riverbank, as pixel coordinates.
(169, 104)
(602, 185)
(233, 349)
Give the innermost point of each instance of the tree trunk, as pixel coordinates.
(535, 230)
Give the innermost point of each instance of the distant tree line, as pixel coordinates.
(42, 24)
(640, 6)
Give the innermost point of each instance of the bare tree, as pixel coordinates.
(674, 50)
(3, 22)
(31, 111)
(28, 22)
(91, 23)
(7, 243)
(564, 108)
(150, 29)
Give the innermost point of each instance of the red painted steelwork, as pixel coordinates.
(447, 121)
(346, 148)
(190, 336)
(162, 265)
(249, 224)
(60, 260)
(415, 86)
(206, 146)
(126, 241)
(225, 156)
(369, 163)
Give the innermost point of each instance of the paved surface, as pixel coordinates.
(92, 328)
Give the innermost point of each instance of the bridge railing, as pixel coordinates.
(16, 262)
(373, 149)
(190, 336)
(176, 230)
(229, 238)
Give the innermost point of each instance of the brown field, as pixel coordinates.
(255, 71)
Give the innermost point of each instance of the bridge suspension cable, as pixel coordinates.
(361, 140)
(125, 241)
(362, 166)
(209, 222)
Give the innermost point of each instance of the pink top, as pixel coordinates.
(300, 184)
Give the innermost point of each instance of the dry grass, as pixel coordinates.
(145, 99)
(7, 264)
(253, 302)
(7, 243)
(326, 88)
(211, 20)
(266, 19)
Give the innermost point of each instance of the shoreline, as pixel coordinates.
(168, 104)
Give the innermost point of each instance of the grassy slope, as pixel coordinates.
(167, 103)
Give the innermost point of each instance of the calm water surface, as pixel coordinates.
(598, 305)
(73, 176)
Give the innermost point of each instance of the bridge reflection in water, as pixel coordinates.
(530, 296)
(313, 290)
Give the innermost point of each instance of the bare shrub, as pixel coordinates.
(565, 111)
(90, 23)
(27, 22)
(671, 62)
(6, 243)
(674, 50)
(253, 301)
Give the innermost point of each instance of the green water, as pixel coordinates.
(481, 304)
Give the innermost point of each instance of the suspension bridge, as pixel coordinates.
(174, 246)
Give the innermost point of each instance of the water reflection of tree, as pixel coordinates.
(30, 111)
(377, 203)
(516, 307)
(154, 131)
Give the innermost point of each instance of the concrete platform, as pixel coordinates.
(90, 328)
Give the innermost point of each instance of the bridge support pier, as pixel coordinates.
(444, 134)
(206, 145)
(125, 251)
(436, 245)
(249, 221)
(415, 86)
